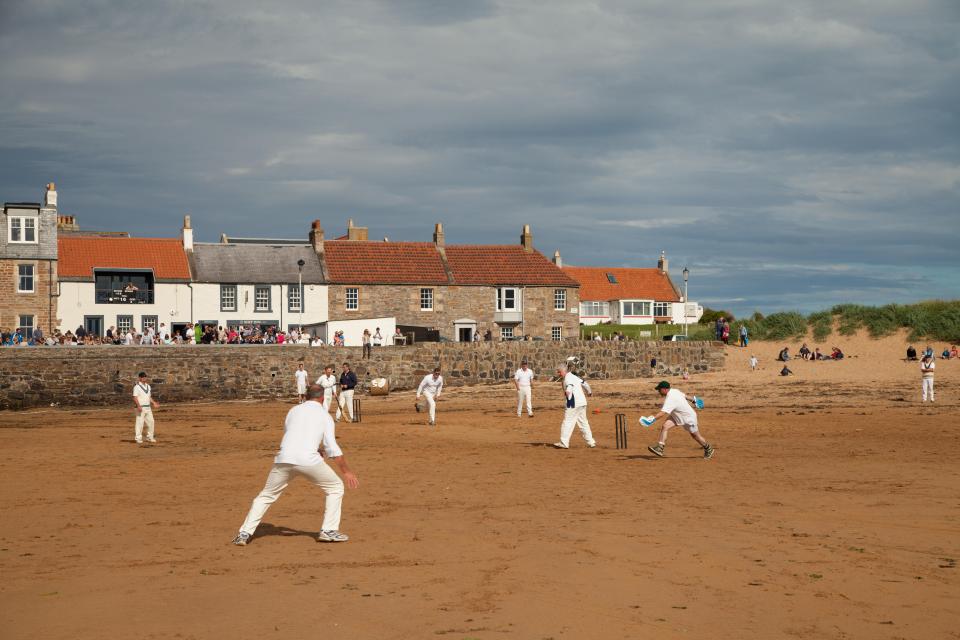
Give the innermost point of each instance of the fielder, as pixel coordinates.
(676, 404)
(348, 381)
(575, 412)
(328, 382)
(927, 367)
(430, 387)
(307, 427)
(145, 404)
(523, 381)
(301, 376)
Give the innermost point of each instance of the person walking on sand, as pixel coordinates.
(743, 335)
(301, 377)
(927, 365)
(430, 388)
(307, 427)
(753, 363)
(328, 382)
(145, 404)
(523, 381)
(676, 406)
(575, 408)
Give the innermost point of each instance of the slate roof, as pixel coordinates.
(254, 263)
(632, 284)
(370, 262)
(504, 265)
(79, 255)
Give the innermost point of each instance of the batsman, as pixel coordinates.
(676, 405)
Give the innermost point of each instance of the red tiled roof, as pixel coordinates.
(367, 262)
(632, 284)
(503, 265)
(78, 256)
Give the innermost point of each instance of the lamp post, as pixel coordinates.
(686, 300)
(300, 264)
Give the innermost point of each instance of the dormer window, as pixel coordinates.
(22, 229)
(612, 279)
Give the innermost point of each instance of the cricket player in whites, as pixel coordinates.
(430, 387)
(145, 404)
(308, 427)
(301, 376)
(523, 381)
(576, 408)
(676, 405)
(328, 382)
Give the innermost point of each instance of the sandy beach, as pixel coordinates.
(829, 511)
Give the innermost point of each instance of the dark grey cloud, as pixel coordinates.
(794, 155)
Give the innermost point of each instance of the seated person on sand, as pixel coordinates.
(784, 355)
(946, 354)
(786, 371)
(953, 351)
(911, 353)
(817, 355)
(837, 354)
(804, 351)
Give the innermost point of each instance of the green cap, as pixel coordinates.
(663, 384)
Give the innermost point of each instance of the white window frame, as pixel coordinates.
(32, 277)
(663, 306)
(21, 225)
(351, 298)
(556, 333)
(502, 299)
(294, 298)
(559, 299)
(224, 288)
(28, 334)
(595, 309)
(506, 332)
(426, 299)
(260, 288)
(636, 302)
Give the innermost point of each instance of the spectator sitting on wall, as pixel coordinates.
(488, 336)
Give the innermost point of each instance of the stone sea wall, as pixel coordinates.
(85, 376)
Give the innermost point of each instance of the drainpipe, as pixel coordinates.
(51, 295)
(189, 286)
(281, 301)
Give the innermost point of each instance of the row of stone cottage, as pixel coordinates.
(54, 275)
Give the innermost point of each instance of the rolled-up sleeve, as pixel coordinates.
(330, 447)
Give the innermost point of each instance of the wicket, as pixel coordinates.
(356, 409)
(620, 421)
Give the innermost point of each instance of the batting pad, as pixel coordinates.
(647, 420)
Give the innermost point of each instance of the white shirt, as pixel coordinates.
(329, 383)
(927, 368)
(301, 376)
(573, 384)
(675, 403)
(141, 392)
(430, 385)
(128, 339)
(307, 427)
(523, 378)
(377, 339)
(753, 362)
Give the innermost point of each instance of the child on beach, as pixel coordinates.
(753, 363)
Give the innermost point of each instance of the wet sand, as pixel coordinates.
(831, 510)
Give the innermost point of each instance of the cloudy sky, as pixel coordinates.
(793, 154)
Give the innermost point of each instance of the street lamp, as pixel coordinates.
(300, 264)
(686, 300)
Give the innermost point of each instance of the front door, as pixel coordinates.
(465, 334)
(93, 325)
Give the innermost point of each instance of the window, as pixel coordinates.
(661, 309)
(426, 299)
(148, 322)
(506, 332)
(261, 298)
(353, 298)
(295, 298)
(506, 299)
(228, 297)
(560, 299)
(23, 230)
(124, 287)
(636, 308)
(26, 326)
(594, 309)
(24, 278)
(556, 333)
(612, 279)
(124, 323)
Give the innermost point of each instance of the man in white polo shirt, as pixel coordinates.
(301, 376)
(329, 383)
(144, 402)
(679, 413)
(307, 427)
(575, 413)
(523, 381)
(430, 387)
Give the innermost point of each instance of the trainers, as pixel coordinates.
(332, 536)
(656, 450)
(432, 423)
(242, 539)
(708, 452)
(139, 441)
(560, 445)
(592, 445)
(152, 440)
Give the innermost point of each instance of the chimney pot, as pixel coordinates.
(557, 260)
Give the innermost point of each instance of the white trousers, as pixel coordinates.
(575, 417)
(345, 398)
(525, 394)
(928, 389)
(146, 417)
(327, 400)
(278, 479)
(432, 404)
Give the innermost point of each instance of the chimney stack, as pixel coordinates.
(557, 260)
(316, 236)
(356, 233)
(526, 239)
(438, 235)
(662, 263)
(186, 234)
(50, 196)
